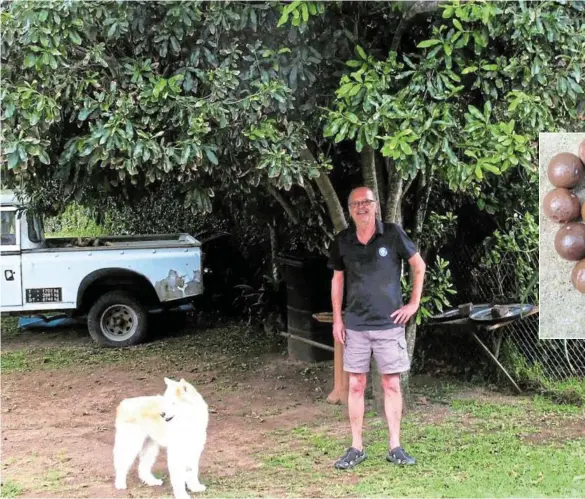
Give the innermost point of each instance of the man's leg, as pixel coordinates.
(392, 407)
(389, 349)
(356, 407)
(356, 362)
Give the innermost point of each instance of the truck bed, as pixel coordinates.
(121, 242)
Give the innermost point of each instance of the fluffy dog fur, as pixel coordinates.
(177, 421)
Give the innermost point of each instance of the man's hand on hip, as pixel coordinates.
(339, 332)
(404, 313)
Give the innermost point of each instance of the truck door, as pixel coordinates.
(10, 279)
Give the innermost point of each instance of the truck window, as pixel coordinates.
(34, 227)
(8, 223)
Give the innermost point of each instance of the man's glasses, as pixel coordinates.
(359, 204)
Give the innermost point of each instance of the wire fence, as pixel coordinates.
(523, 352)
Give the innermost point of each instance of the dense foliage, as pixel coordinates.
(268, 113)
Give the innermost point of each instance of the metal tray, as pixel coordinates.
(516, 310)
(453, 313)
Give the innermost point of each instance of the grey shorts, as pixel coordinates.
(388, 347)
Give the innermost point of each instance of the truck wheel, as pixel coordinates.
(117, 319)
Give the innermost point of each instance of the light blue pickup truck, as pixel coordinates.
(115, 281)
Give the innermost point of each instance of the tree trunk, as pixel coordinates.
(420, 7)
(368, 157)
(422, 200)
(328, 192)
(274, 248)
(393, 213)
(382, 184)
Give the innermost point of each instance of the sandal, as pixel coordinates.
(399, 456)
(351, 458)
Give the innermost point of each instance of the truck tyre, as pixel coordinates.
(117, 319)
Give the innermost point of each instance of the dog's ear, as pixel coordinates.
(184, 384)
(169, 381)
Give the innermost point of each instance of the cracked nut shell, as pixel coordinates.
(570, 241)
(561, 205)
(578, 276)
(565, 170)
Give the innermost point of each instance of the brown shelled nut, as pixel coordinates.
(561, 205)
(565, 170)
(570, 241)
(578, 276)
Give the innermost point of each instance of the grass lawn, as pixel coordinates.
(271, 418)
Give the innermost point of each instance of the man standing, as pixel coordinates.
(368, 258)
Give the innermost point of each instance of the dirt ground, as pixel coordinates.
(58, 427)
(58, 420)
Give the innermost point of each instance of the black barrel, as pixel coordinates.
(308, 286)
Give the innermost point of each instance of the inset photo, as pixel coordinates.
(562, 235)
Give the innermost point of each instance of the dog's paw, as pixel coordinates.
(152, 481)
(120, 485)
(196, 487)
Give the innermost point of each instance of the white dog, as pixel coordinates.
(177, 421)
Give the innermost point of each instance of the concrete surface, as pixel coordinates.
(562, 307)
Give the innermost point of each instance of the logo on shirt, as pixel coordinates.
(382, 251)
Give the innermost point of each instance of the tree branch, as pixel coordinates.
(420, 7)
(328, 191)
(310, 192)
(288, 208)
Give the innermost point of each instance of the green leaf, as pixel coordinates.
(489, 67)
(84, 113)
(352, 118)
(175, 45)
(361, 52)
(487, 109)
(30, 60)
(469, 69)
(283, 19)
(478, 172)
(447, 48)
(428, 43)
(34, 118)
(44, 157)
(185, 155)
(305, 12)
(405, 148)
(13, 160)
(457, 24)
(344, 89)
(513, 105)
(491, 168)
(354, 64)
(74, 37)
(356, 88)
(211, 156)
(476, 113)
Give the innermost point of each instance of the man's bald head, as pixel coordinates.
(363, 206)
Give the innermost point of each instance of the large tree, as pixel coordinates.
(290, 104)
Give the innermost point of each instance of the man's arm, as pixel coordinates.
(337, 302)
(418, 267)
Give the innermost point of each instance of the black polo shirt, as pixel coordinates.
(372, 274)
